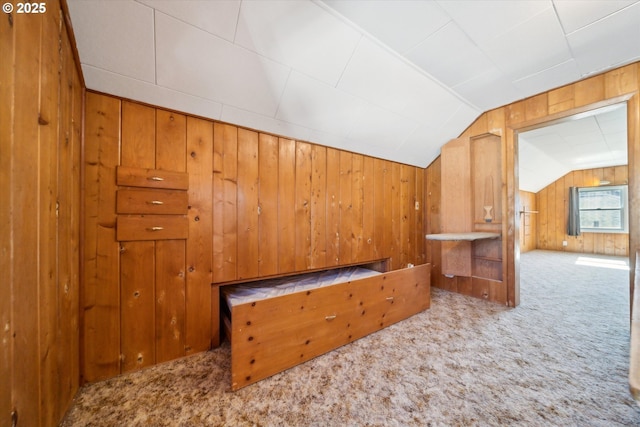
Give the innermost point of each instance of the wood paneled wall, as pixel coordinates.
(528, 221)
(41, 95)
(260, 205)
(145, 301)
(433, 198)
(553, 208)
(618, 85)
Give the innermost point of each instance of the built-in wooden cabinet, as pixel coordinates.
(148, 204)
(176, 205)
(471, 192)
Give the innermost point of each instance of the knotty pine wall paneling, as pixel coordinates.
(286, 203)
(369, 208)
(268, 204)
(346, 210)
(40, 140)
(433, 204)
(170, 279)
(199, 311)
(25, 197)
(420, 256)
(528, 221)
(146, 301)
(137, 305)
(225, 176)
(333, 208)
(137, 258)
(50, 105)
(379, 208)
(101, 292)
(357, 206)
(248, 258)
(396, 219)
(318, 255)
(170, 261)
(407, 190)
(551, 220)
(259, 206)
(302, 206)
(7, 37)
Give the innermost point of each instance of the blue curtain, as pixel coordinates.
(573, 225)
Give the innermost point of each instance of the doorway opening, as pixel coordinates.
(589, 151)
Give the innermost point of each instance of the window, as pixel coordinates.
(603, 209)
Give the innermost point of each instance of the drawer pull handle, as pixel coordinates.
(389, 298)
(155, 228)
(156, 202)
(333, 316)
(155, 178)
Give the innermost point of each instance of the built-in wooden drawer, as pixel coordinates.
(152, 227)
(152, 178)
(139, 201)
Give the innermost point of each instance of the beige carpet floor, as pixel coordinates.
(558, 359)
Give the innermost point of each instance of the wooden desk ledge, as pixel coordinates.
(634, 357)
(469, 236)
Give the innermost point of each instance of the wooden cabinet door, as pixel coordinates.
(456, 205)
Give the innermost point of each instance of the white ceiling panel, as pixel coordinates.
(589, 155)
(313, 104)
(571, 128)
(377, 76)
(489, 89)
(124, 43)
(577, 14)
(330, 140)
(536, 165)
(460, 120)
(533, 46)
(423, 142)
(193, 61)
(553, 77)
(301, 35)
(612, 121)
(486, 20)
(391, 78)
(252, 120)
(609, 42)
(450, 56)
(434, 105)
(119, 85)
(574, 144)
(365, 132)
(583, 140)
(399, 24)
(216, 17)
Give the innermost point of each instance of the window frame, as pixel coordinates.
(624, 209)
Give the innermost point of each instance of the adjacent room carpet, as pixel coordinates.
(560, 358)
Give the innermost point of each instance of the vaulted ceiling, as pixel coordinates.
(393, 79)
(591, 140)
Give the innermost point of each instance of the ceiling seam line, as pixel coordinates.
(353, 52)
(284, 88)
(397, 55)
(155, 48)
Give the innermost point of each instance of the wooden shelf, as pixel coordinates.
(486, 258)
(469, 236)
